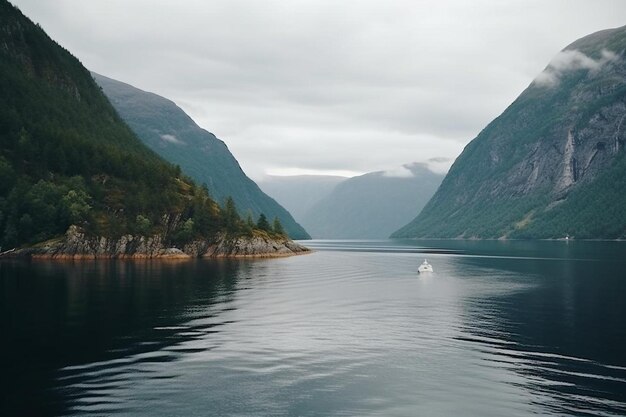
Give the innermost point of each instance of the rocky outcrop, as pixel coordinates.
(76, 244)
(256, 246)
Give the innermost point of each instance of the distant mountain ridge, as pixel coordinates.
(373, 205)
(299, 193)
(171, 133)
(552, 164)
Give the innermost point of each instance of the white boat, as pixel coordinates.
(425, 267)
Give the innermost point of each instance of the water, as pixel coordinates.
(500, 328)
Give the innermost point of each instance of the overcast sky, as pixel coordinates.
(327, 86)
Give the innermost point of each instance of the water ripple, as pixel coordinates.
(497, 329)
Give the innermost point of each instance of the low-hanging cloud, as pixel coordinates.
(172, 139)
(571, 60)
(440, 160)
(439, 164)
(399, 172)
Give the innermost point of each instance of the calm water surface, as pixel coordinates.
(500, 328)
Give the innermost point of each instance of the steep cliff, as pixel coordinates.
(553, 164)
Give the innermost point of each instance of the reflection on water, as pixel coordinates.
(500, 328)
(86, 316)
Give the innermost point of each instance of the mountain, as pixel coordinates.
(171, 133)
(373, 205)
(298, 193)
(75, 180)
(552, 164)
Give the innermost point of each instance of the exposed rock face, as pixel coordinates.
(77, 245)
(553, 163)
(257, 246)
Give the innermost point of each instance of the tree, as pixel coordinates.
(277, 227)
(76, 206)
(232, 221)
(205, 216)
(248, 225)
(25, 227)
(205, 190)
(185, 231)
(7, 176)
(249, 221)
(143, 224)
(263, 224)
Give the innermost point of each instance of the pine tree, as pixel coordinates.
(263, 224)
(249, 220)
(249, 225)
(232, 221)
(278, 227)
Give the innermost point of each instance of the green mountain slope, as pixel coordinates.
(172, 134)
(552, 164)
(373, 205)
(67, 158)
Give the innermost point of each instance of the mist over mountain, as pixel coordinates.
(171, 133)
(552, 164)
(373, 205)
(298, 193)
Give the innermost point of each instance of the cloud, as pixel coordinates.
(399, 172)
(172, 139)
(439, 164)
(321, 85)
(440, 160)
(331, 146)
(288, 172)
(571, 60)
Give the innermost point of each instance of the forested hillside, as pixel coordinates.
(170, 132)
(67, 158)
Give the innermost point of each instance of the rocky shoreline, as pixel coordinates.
(78, 245)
